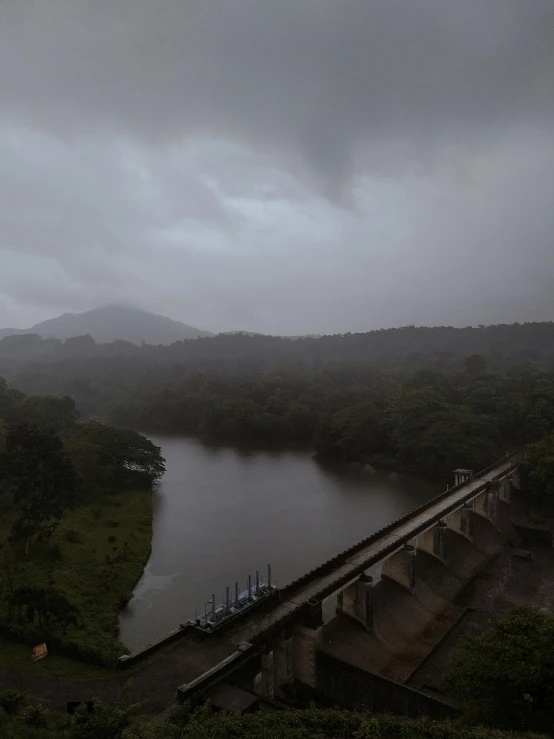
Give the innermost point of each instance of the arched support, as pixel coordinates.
(486, 503)
(356, 601)
(460, 520)
(400, 567)
(433, 541)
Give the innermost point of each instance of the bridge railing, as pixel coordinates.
(337, 559)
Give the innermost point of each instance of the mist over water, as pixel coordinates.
(221, 513)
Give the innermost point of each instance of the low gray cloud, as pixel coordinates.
(285, 166)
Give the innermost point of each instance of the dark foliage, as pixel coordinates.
(507, 674)
(538, 470)
(39, 478)
(427, 399)
(48, 465)
(48, 605)
(427, 421)
(94, 720)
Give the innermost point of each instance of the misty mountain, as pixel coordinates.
(112, 323)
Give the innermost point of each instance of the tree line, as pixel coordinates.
(427, 421)
(442, 347)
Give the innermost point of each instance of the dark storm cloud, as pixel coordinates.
(196, 158)
(309, 79)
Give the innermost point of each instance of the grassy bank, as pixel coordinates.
(96, 557)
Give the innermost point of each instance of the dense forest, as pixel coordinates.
(426, 420)
(92, 454)
(424, 399)
(441, 347)
(76, 520)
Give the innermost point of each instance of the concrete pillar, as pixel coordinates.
(433, 541)
(267, 683)
(365, 602)
(410, 565)
(439, 540)
(356, 601)
(486, 503)
(460, 520)
(505, 490)
(400, 567)
(426, 541)
(347, 600)
(283, 662)
(329, 608)
(307, 639)
(306, 643)
(314, 614)
(465, 520)
(516, 478)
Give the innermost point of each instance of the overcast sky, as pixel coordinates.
(284, 166)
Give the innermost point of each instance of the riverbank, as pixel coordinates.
(96, 557)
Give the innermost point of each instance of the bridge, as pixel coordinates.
(357, 627)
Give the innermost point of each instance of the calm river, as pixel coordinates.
(220, 513)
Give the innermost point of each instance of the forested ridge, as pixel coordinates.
(425, 399)
(427, 420)
(440, 346)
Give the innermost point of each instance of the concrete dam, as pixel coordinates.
(355, 630)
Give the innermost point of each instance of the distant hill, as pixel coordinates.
(113, 323)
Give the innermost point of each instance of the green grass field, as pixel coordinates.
(18, 657)
(96, 557)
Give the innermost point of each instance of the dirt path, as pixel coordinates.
(155, 682)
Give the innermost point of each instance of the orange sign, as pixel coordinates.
(39, 652)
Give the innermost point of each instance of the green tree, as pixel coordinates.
(39, 478)
(49, 412)
(537, 470)
(10, 402)
(114, 456)
(354, 433)
(506, 674)
(475, 365)
(50, 606)
(99, 720)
